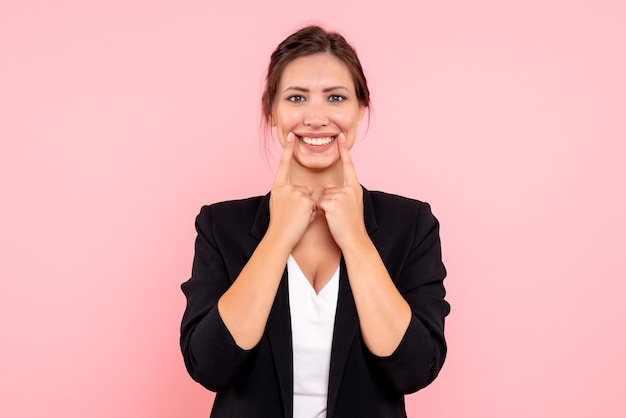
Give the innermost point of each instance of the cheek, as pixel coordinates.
(286, 122)
(348, 121)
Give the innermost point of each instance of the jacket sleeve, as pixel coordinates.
(420, 355)
(211, 355)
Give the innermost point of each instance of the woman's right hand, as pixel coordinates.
(292, 208)
(246, 305)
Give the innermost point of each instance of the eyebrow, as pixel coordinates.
(305, 90)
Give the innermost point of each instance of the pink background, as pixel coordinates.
(119, 119)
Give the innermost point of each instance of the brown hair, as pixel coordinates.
(308, 41)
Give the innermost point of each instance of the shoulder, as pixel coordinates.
(232, 212)
(395, 205)
(398, 218)
(237, 205)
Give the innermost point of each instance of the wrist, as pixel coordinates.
(358, 243)
(277, 241)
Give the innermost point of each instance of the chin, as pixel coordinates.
(317, 164)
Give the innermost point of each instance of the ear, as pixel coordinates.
(362, 109)
(271, 120)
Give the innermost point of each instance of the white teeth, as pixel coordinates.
(317, 141)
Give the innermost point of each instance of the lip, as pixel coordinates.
(316, 139)
(316, 148)
(316, 134)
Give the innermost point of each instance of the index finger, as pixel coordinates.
(349, 172)
(284, 166)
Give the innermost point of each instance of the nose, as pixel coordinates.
(315, 115)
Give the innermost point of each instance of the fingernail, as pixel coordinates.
(289, 137)
(342, 138)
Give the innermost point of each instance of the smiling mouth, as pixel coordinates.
(317, 141)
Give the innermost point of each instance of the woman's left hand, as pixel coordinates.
(343, 205)
(384, 314)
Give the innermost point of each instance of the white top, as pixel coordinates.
(312, 324)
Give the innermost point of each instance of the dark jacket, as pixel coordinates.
(258, 382)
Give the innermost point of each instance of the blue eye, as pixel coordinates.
(336, 98)
(296, 98)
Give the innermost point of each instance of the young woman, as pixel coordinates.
(321, 298)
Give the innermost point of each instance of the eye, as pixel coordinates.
(336, 98)
(296, 98)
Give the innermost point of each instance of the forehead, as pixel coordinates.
(318, 70)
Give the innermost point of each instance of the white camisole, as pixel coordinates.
(312, 324)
